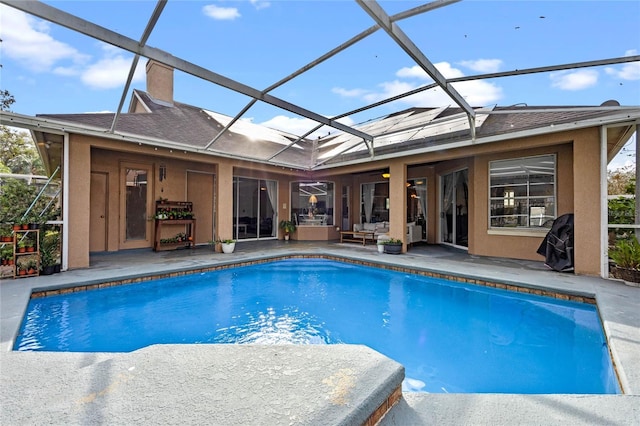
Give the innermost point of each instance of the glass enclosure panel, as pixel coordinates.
(136, 204)
(312, 203)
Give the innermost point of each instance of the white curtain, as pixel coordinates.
(368, 190)
(272, 192)
(447, 207)
(421, 192)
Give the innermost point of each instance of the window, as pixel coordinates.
(312, 203)
(374, 205)
(522, 192)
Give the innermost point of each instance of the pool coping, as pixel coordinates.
(617, 303)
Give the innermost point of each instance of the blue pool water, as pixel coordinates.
(451, 337)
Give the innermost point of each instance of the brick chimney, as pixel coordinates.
(160, 81)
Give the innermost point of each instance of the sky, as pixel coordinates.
(53, 70)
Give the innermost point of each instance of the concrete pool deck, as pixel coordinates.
(341, 384)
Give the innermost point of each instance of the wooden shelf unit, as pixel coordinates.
(174, 214)
(20, 258)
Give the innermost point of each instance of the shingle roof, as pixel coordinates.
(196, 129)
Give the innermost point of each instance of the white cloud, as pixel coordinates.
(628, 71)
(111, 72)
(476, 93)
(27, 41)
(388, 90)
(221, 13)
(349, 93)
(417, 72)
(299, 126)
(483, 65)
(574, 80)
(260, 4)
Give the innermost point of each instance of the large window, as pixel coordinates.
(522, 192)
(312, 203)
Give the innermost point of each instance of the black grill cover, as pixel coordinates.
(557, 246)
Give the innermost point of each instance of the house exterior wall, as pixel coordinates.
(515, 244)
(79, 202)
(578, 154)
(586, 192)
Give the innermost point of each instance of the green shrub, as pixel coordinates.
(626, 253)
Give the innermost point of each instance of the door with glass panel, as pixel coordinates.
(454, 208)
(346, 212)
(417, 206)
(254, 207)
(135, 205)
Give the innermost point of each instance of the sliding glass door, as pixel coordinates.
(454, 202)
(254, 206)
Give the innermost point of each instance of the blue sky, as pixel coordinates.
(50, 69)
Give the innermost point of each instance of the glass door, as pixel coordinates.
(454, 208)
(255, 202)
(346, 201)
(417, 204)
(135, 206)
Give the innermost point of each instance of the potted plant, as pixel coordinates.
(48, 247)
(228, 245)
(626, 256)
(393, 246)
(288, 227)
(5, 233)
(31, 267)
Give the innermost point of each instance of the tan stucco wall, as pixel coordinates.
(173, 187)
(586, 190)
(573, 195)
(79, 186)
(517, 245)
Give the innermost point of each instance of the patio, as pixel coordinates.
(33, 385)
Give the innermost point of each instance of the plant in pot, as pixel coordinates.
(288, 227)
(5, 233)
(48, 247)
(228, 245)
(626, 256)
(7, 256)
(32, 266)
(393, 246)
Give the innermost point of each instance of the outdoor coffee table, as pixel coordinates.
(357, 236)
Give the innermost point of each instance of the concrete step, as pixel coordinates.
(202, 384)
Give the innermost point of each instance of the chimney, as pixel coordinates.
(160, 81)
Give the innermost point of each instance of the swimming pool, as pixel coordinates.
(451, 337)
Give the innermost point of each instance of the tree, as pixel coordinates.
(6, 100)
(19, 156)
(18, 153)
(621, 181)
(17, 150)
